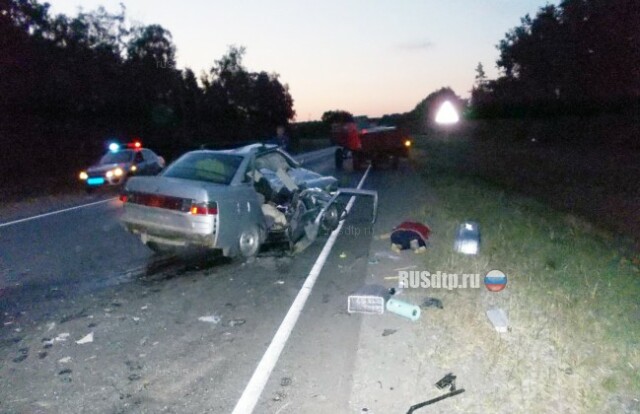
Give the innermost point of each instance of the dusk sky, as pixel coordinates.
(365, 56)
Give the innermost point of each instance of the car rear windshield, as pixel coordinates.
(117, 157)
(203, 166)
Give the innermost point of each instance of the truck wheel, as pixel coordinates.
(358, 161)
(249, 242)
(339, 157)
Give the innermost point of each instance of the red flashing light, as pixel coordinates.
(137, 144)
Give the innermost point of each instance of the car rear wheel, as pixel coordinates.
(249, 242)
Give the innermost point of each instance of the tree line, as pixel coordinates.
(580, 57)
(68, 84)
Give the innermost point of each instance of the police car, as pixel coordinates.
(119, 163)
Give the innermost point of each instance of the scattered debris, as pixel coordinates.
(499, 319)
(20, 358)
(343, 255)
(448, 380)
(410, 235)
(428, 302)
(61, 337)
(285, 381)
(64, 360)
(279, 282)
(386, 255)
(134, 377)
(42, 354)
(136, 319)
(65, 371)
(51, 326)
(373, 261)
(86, 340)
(404, 309)
(210, 319)
(388, 332)
(467, 238)
(81, 314)
(236, 322)
(385, 236)
(369, 299)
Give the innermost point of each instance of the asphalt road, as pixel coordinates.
(66, 276)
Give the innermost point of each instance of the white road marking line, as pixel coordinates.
(258, 381)
(56, 212)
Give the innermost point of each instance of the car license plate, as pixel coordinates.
(95, 181)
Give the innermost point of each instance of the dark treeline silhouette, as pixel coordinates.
(422, 117)
(580, 57)
(68, 85)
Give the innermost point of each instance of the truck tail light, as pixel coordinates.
(204, 209)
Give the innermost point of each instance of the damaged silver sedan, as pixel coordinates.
(234, 201)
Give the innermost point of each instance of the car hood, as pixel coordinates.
(302, 177)
(103, 168)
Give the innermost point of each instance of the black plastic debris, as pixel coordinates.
(448, 380)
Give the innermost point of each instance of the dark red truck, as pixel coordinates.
(375, 143)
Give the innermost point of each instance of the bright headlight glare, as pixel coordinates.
(118, 172)
(133, 168)
(83, 175)
(109, 174)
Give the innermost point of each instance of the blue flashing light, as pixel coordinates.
(113, 147)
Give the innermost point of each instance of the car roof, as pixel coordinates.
(251, 148)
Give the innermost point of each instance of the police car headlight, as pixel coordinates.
(83, 175)
(118, 172)
(109, 174)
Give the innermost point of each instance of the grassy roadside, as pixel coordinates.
(572, 297)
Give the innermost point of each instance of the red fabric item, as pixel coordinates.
(409, 230)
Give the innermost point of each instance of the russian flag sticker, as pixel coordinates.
(495, 281)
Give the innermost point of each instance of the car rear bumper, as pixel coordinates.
(170, 227)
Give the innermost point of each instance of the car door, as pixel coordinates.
(140, 163)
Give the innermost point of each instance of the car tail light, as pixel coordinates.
(204, 209)
(123, 197)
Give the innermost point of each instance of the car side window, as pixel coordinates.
(138, 158)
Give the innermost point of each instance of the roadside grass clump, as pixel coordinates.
(572, 296)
